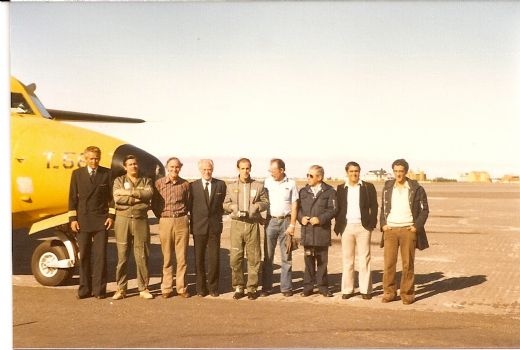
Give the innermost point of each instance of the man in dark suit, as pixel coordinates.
(206, 211)
(355, 221)
(91, 215)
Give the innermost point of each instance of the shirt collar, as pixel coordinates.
(406, 185)
(90, 170)
(347, 183)
(204, 180)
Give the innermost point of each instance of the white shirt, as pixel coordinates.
(353, 209)
(204, 181)
(282, 194)
(90, 170)
(400, 213)
(316, 189)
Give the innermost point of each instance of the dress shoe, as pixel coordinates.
(287, 294)
(264, 293)
(387, 300)
(214, 294)
(306, 293)
(120, 294)
(327, 293)
(101, 296)
(239, 294)
(408, 301)
(252, 295)
(185, 295)
(366, 296)
(145, 294)
(82, 296)
(166, 295)
(202, 295)
(347, 296)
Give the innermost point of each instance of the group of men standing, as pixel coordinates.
(96, 204)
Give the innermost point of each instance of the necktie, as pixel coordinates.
(206, 191)
(92, 174)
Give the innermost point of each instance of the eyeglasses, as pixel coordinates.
(311, 176)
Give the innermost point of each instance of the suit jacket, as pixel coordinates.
(206, 218)
(323, 206)
(418, 202)
(367, 205)
(91, 203)
(258, 199)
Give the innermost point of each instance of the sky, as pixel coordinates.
(436, 83)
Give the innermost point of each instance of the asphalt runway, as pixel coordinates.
(467, 289)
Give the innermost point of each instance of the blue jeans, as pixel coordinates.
(275, 233)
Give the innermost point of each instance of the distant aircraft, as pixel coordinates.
(44, 152)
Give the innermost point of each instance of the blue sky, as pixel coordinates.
(434, 82)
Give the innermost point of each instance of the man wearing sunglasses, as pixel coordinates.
(316, 210)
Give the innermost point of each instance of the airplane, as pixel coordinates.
(44, 153)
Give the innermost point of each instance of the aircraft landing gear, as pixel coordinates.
(47, 263)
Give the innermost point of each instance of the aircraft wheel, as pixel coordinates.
(48, 252)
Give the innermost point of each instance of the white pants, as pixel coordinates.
(356, 237)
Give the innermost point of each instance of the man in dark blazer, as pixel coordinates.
(316, 210)
(206, 211)
(91, 215)
(355, 221)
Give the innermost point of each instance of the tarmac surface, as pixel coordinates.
(467, 293)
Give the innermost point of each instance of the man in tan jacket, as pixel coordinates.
(245, 200)
(132, 195)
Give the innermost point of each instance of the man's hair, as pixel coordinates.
(349, 164)
(243, 160)
(173, 158)
(202, 161)
(92, 149)
(279, 163)
(319, 169)
(128, 157)
(401, 162)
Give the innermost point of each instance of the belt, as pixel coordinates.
(280, 217)
(175, 215)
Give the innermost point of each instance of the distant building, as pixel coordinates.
(510, 178)
(419, 175)
(475, 176)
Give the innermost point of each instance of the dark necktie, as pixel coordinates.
(206, 191)
(92, 175)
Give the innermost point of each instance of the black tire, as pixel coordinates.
(49, 251)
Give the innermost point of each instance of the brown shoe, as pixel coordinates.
(366, 296)
(387, 300)
(408, 301)
(185, 295)
(166, 295)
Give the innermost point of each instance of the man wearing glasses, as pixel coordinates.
(316, 210)
(281, 220)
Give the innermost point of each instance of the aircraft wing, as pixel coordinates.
(88, 117)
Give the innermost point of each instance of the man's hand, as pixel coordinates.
(290, 230)
(305, 220)
(386, 228)
(108, 223)
(413, 229)
(315, 221)
(74, 225)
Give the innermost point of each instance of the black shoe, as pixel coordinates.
(238, 295)
(347, 296)
(202, 295)
(101, 296)
(252, 295)
(327, 293)
(366, 296)
(214, 294)
(82, 296)
(264, 293)
(306, 293)
(287, 294)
